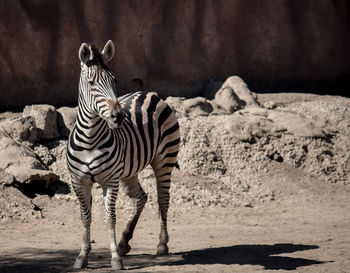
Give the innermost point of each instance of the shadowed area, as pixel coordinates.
(42, 260)
(37, 260)
(33, 260)
(263, 255)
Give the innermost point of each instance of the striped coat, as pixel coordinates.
(113, 140)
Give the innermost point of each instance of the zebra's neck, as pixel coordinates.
(90, 125)
(93, 143)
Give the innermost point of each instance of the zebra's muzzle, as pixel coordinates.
(118, 118)
(117, 115)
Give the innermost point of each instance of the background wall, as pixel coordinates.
(173, 47)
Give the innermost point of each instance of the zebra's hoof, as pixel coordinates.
(117, 264)
(80, 263)
(162, 249)
(123, 249)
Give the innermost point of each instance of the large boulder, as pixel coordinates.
(21, 129)
(193, 107)
(45, 119)
(66, 120)
(226, 101)
(233, 95)
(197, 107)
(241, 90)
(20, 161)
(176, 103)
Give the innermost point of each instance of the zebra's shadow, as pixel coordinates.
(262, 255)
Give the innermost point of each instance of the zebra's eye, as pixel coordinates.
(91, 82)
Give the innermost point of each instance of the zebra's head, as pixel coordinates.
(97, 87)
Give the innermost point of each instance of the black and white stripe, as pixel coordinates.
(113, 140)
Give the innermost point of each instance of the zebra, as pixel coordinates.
(113, 140)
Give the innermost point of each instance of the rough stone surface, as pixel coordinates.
(22, 129)
(226, 101)
(6, 179)
(197, 107)
(232, 96)
(23, 163)
(45, 119)
(240, 89)
(66, 120)
(176, 103)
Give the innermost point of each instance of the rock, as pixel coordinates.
(197, 107)
(23, 129)
(20, 161)
(258, 122)
(270, 105)
(176, 104)
(226, 101)
(241, 90)
(6, 179)
(246, 126)
(17, 158)
(66, 117)
(298, 125)
(232, 96)
(45, 119)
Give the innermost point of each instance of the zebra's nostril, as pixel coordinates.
(120, 117)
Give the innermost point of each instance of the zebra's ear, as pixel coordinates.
(108, 51)
(84, 53)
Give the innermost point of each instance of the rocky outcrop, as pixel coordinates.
(23, 164)
(20, 163)
(22, 129)
(230, 145)
(66, 120)
(229, 98)
(45, 117)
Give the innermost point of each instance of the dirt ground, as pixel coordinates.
(302, 230)
(277, 204)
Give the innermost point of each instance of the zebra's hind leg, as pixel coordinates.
(110, 192)
(83, 193)
(138, 198)
(163, 175)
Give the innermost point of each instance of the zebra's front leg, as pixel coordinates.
(110, 192)
(83, 193)
(138, 198)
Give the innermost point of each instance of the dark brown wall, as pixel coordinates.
(173, 47)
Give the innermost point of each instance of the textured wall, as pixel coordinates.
(173, 47)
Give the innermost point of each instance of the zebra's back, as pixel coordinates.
(150, 130)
